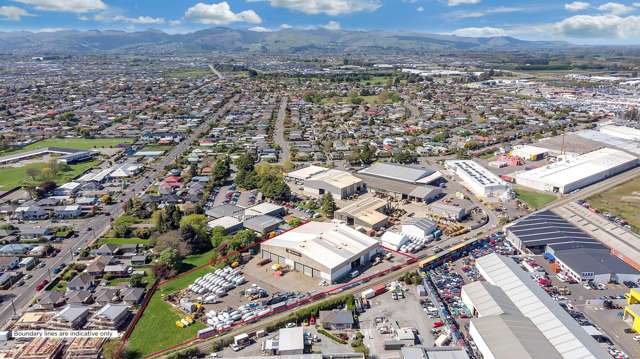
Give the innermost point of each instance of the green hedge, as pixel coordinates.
(331, 336)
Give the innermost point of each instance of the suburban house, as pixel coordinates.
(83, 281)
(336, 319)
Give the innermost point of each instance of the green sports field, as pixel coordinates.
(77, 143)
(11, 177)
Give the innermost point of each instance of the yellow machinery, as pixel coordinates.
(632, 309)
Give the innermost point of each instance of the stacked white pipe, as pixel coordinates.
(416, 243)
(217, 283)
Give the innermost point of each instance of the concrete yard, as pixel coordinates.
(400, 313)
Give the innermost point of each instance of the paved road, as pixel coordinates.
(279, 132)
(96, 226)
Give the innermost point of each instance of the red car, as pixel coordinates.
(42, 284)
(437, 324)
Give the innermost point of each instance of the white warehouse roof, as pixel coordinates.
(564, 333)
(306, 172)
(488, 299)
(579, 171)
(336, 178)
(479, 180)
(331, 243)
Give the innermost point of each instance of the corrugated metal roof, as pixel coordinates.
(546, 227)
(513, 336)
(488, 299)
(554, 322)
(398, 172)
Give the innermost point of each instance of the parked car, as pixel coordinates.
(42, 284)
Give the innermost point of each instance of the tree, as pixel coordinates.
(366, 155)
(172, 240)
(105, 199)
(195, 231)
(47, 186)
(168, 263)
(274, 187)
(405, 157)
(328, 206)
(137, 281)
(294, 222)
(122, 226)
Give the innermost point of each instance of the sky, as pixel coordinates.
(583, 22)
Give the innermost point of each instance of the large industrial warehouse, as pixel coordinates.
(533, 233)
(317, 182)
(566, 336)
(329, 251)
(406, 182)
(574, 173)
(479, 180)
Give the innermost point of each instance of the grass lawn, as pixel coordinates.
(184, 281)
(157, 330)
(534, 199)
(16, 176)
(121, 241)
(622, 201)
(118, 281)
(197, 260)
(77, 143)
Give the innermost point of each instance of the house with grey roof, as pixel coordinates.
(111, 316)
(79, 297)
(132, 296)
(83, 281)
(336, 319)
(71, 317)
(51, 299)
(106, 295)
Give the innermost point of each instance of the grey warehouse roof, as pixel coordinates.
(514, 336)
(398, 172)
(546, 227)
(564, 333)
(596, 260)
(488, 299)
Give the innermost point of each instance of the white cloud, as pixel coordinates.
(462, 2)
(420, 9)
(486, 12)
(599, 27)
(110, 16)
(329, 7)
(259, 29)
(219, 14)
(486, 31)
(285, 26)
(77, 6)
(141, 20)
(615, 8)
(332, 25)
(13, 13)
(577, 6)
(636, 4)
(174, 22)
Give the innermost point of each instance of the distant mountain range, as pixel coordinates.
(232, 40)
